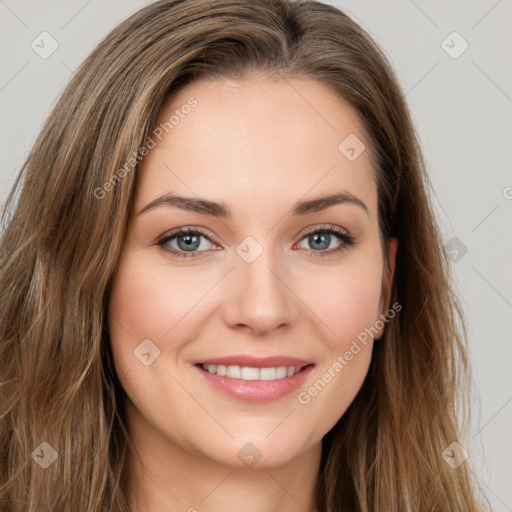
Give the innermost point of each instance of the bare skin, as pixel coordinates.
(258, 146)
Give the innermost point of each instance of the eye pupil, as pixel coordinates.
(322, 238)
(191, 242)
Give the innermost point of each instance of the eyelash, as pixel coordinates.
(347, 241)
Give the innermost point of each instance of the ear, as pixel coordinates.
(387, 280)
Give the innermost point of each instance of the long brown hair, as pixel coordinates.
(64, 226)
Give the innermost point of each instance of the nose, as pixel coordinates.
(261, 297)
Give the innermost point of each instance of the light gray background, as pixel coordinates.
(462, 108)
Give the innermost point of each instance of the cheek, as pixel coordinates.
(145, 303)
(347, 302)
(153, 301)
(345, 299)
(148, 300)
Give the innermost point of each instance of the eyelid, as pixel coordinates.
(316, 227)
(189, 229)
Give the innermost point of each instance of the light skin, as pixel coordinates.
(258, 145)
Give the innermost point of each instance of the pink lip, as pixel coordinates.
(256, 391)
(255, 362)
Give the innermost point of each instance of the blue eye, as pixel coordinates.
(320, 239)
(187, 240)
(187, 243)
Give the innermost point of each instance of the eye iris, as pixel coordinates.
(315, 238)
(191, 242)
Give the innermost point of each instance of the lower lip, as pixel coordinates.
(256, 390)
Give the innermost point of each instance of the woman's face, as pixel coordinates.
(258, 282)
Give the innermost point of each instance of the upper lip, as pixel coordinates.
(256, 362)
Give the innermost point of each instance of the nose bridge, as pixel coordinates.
(261, 299)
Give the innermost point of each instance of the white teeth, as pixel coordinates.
(280, 372)
(235, 372)
(267, 374)
(250, 373)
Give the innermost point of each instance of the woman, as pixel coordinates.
(173, 337)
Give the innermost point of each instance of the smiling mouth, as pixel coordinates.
(252, 373)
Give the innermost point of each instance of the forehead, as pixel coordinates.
(257, 141)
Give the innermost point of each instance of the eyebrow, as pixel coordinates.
(215, 209)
